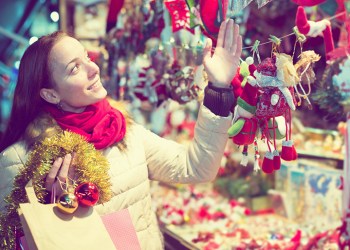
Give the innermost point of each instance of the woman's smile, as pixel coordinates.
(96, 85)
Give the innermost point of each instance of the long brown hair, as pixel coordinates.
(34, 74)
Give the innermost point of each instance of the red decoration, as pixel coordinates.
(180, 15)
(87, 194)
(247, 134)
(213, 13)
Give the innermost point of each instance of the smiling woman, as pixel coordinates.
(76, 77)
(59, 89)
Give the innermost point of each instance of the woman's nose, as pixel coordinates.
(93, 69)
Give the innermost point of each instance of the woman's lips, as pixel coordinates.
(95, 85)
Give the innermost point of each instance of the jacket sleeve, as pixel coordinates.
(199, 161)
(11, 160)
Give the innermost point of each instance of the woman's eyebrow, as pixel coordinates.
(75, 59)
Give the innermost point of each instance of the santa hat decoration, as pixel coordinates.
(314, 29)
(236, 84)
(245, 69)
(249, 96)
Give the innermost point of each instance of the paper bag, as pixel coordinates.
(121, 230)
(45, 227)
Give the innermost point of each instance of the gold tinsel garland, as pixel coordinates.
(89, 164)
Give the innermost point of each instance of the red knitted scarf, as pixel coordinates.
(100, 123)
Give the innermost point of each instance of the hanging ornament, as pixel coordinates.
(265, 103)
(180, 15)
(67, 203)
(87, 194)
(149, 87)
(304, 68)
(212, 14)
(181, 86)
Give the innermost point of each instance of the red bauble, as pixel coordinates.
(87, 194)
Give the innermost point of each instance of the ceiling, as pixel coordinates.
(16, 19)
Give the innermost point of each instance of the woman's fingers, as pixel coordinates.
(60, 170)
(221, 35)
(63, 173)
(71, 172)
(207, 50)
(234, 43)
(238, 50)
(51, 176)
(229, 35)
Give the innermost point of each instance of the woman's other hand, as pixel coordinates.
(222, 65)
(61, 171)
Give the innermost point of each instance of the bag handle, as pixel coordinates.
(31, 193)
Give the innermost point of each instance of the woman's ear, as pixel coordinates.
(49, 95)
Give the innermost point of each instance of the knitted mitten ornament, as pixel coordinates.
(288, 152)
(268, 163)
(314, 29)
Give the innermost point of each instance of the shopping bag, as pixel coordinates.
(121, 230)
(45, 227)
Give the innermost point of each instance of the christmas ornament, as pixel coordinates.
(181, 86)
(67, 203)
(212, 13)
(146, 88)
(180, 15)
(87, 194)
(89, 165)
(304, 68)
(314, 29)
(265, 104)
(323, 27)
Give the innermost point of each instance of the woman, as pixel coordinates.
(57, 80)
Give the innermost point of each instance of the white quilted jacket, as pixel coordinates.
(148, 157)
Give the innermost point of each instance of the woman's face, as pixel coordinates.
(76, 77)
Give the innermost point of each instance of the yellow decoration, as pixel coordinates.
(89, 164)
(67, 203)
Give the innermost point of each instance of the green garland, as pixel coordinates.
(327, 96)
(89, 164)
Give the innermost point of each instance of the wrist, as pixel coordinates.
(220, 85)
(219, 100)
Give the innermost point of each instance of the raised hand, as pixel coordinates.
(221, 66)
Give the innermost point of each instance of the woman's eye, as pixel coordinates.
(75, 69)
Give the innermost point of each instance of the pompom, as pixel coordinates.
(249, 60)
(267, 67)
